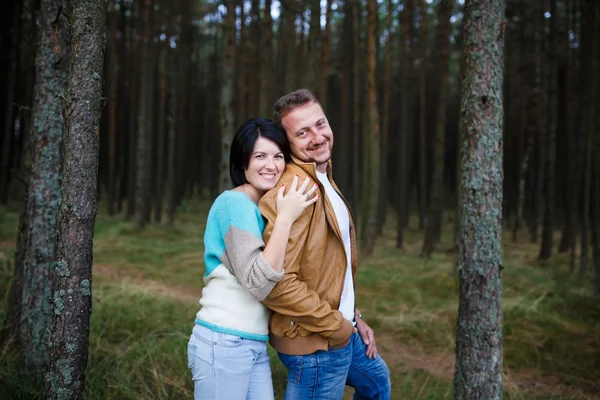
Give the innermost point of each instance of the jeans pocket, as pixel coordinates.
(294, 366)
(191, 353)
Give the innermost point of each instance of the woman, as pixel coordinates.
(227, 351)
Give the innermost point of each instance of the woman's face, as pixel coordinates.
(265, 166)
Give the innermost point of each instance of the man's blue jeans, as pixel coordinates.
(323, 375)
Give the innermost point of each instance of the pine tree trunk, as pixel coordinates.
(43, 197)
(596, 175)
(72, 303)
(325, 56)
(161, 130)
(172, 142)
(356, 164)
(422, 116)
(371, 170)
(144, 140)
(436, 205)
(227, 87)
(588, 75)
(134, 91)
(548, 228)
(403, 163)
(314, 37)
(566, 240)
(241, 68)
(539, 125)
(385, 122)
(266, 63)
(112, 106)
(254, 61)
(479, 326)
(288, 20)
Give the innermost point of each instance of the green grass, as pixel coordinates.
(146, 286)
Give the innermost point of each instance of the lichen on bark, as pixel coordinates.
(479, 326)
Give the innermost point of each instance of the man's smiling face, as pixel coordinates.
(310, 135)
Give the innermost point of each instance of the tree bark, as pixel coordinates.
(314, 37)
(566, 240)
(479, 326)
(161, 130)
(227, 87)
(72, 302)
(144, 137)
(371, 169)
(422, 116)
(403, 163)
(43, 196)
(266, 63)
(325, 56)
(589, 51)
(112, 106)
(436, 205)
(242, 65)
(548, 228)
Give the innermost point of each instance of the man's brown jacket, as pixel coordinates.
(305, 302)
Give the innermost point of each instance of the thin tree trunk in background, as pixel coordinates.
(588, 76)
(343, 147)
(403, 164)
(254, 61)
(566, 240)
(371, 170)
(288, 18)
(314, 36)
(385, 121)
(241, 68)
(548, 228)
(422, 116)
(113, 76)
(172, 141)
(266, 63)
(325, 56)
(162, 116)
(435, 212)
(10, 106)
(227, 87)
(72, 302)
(596, 174)
(355, 178)
(43, 197)
(539, 125)
(133, 108)
(144, 139)
(479, 326)
(183, 123)
(524, 168)
(302, 79)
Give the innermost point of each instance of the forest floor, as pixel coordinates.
(147, 285)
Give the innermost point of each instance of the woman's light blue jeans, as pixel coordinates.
(228, 367)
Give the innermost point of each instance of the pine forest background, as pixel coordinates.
(179, 77)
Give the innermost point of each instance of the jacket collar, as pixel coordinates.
(311, 167)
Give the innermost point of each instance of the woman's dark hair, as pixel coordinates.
(243, 145)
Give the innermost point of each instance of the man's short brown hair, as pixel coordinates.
(291, 101)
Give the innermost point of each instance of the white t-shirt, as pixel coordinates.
(343, 219)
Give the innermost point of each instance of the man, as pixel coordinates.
(318, 333)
